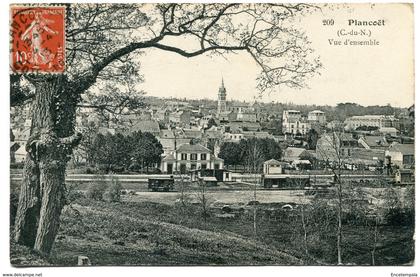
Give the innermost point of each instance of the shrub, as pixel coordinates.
(116, 168)
(90, 170)
(96, 191)
(102, 168)
(134, 167)
(113, 191)
(72, 194)
(400, 217)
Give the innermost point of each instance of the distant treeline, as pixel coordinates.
(339, 112)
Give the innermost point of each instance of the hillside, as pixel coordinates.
(112, 234)
(22, 256)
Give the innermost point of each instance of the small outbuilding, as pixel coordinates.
(273, 167)
(404, 177)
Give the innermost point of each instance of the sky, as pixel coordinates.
(368, 75)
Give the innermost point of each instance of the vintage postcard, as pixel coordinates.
(212, 134)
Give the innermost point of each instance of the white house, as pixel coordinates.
(190, 157)
(401, 155)
(317, 116)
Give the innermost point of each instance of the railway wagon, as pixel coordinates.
(285, 181)
(161, 183)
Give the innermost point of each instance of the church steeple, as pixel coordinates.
(222, 88)
(221, 101)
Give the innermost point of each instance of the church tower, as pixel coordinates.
(221, 100)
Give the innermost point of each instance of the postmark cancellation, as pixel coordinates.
(37, 35)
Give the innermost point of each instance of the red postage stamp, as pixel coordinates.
(37, 39)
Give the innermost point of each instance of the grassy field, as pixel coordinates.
(146, 233)
(142, 234)
(146, 230)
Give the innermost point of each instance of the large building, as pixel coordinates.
(378, 121)
(293, 123)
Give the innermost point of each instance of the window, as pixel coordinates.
(216, 166)
(203, 156)
(183, 156)
(203, 166)
(408, 159)
(193, 157)
(193, 166)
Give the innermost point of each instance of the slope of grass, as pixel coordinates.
(115, 234)
(148, 233)
(22, 256)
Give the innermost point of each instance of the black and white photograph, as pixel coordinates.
(209, 134)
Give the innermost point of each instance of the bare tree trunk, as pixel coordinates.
(334, 144)
(204, 206)
(375, 240)
(303, 219)
(255, 210)
(182, 190)
(252, 164)
(305, 233)
(339, 226)
(49, 148)
(203, 200)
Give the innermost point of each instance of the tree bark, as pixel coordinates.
(27, 215)
(49, 148)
